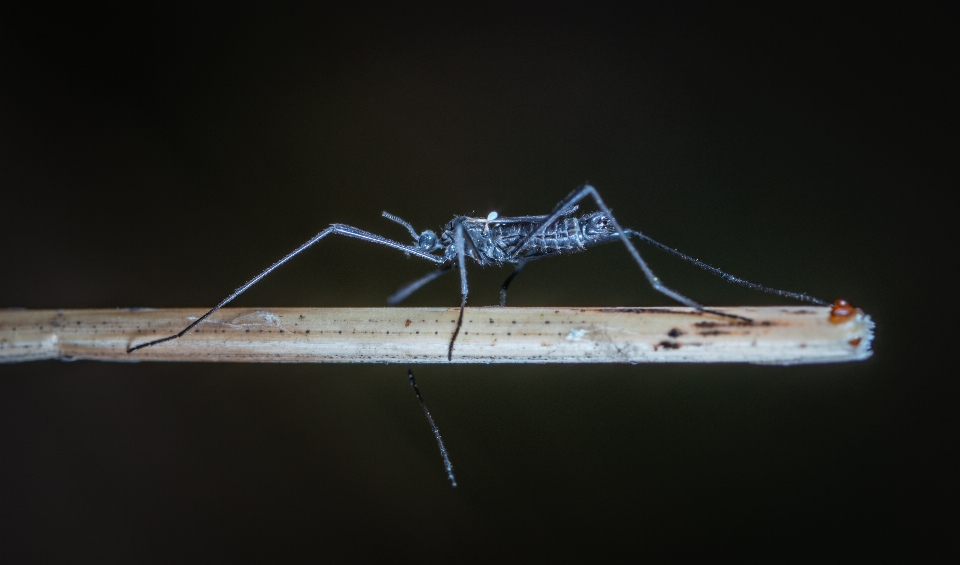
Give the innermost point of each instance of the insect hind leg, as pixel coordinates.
(588, 190)
(726, 276)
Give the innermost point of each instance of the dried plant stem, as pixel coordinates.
(775, 335)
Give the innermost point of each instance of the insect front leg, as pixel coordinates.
(340, 229)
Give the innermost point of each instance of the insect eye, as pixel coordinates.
(427, 241)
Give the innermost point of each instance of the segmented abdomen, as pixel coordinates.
(561, 237)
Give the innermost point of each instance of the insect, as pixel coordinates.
(494, 241)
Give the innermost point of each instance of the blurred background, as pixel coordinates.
(159, 154)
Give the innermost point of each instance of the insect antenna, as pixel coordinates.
(403, 223)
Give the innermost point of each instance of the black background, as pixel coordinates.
(159, 154)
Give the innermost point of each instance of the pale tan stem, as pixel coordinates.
(781, 335)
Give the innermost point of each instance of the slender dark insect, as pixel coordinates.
(494, 241)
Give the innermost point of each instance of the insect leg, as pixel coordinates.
(335, 228)
(726, 276)
(516, 271)
(506, 283)
(351, 231)
(578, 195)
(436, 431)
(458, 240)
(404, 292)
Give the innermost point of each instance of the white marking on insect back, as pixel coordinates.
(490, 217)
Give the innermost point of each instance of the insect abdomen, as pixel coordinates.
(562, 237)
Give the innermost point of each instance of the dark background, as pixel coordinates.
(160, 154)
